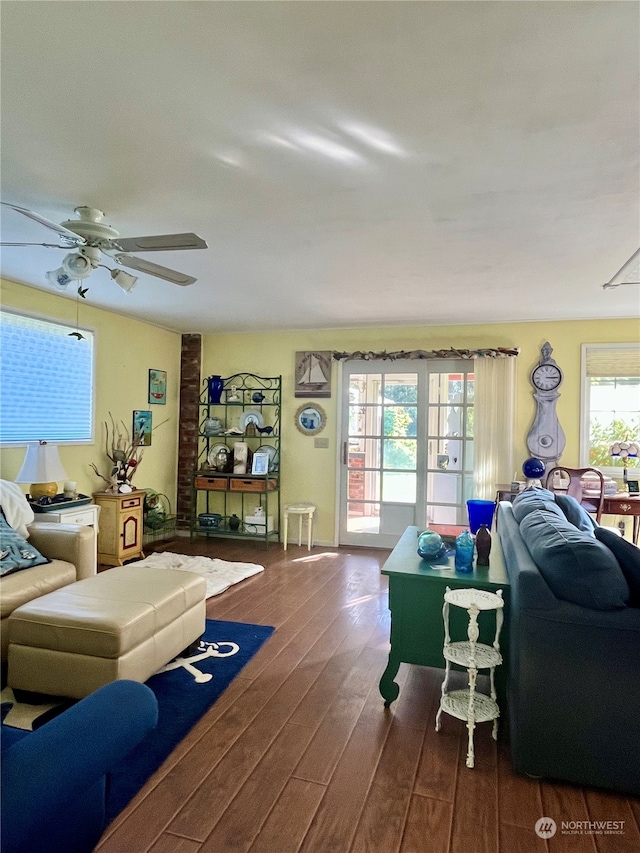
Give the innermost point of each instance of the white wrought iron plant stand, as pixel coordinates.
(468, 705)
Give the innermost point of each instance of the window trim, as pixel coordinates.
(585, 399)
(60, 321)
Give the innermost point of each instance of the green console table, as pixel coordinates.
(416, 597)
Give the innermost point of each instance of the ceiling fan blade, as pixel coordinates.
(159, 243)
(47, 245)
(68, 236)
(142, 265)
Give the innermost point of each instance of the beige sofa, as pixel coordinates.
(72, 551)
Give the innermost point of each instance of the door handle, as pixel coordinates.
(345, 457)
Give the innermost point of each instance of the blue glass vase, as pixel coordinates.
(533, 469)
(430, 545)
(464, 552)
(215, 385)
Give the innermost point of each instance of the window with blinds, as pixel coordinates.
(46, 381)
(610, 404)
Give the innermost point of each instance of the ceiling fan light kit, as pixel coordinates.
(59, 278)
(92, 237)
(124, 280)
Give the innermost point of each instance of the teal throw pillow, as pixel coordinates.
(628, 557)
(15, 552)
(576, 514)
(576, 566)
(532, 499)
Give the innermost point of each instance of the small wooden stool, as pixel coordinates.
(300, 510)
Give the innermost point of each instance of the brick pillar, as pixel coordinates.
(190, 366)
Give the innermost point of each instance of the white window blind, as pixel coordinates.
(612, 360)
(46, 381)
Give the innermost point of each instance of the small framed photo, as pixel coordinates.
(633, 486)
(260, 463)
(157, 387)
(142, 427)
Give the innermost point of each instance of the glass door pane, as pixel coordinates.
(381, 448)
(407, 447)
(449, 472)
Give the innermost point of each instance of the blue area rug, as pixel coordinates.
(183, 697)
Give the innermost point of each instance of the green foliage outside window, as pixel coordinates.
(602, 436)
(399, 421)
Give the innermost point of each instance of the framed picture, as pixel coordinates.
(311, 419)
(313, 374)
(260, 463)
(157, 387)
(240, 456)
(632, 485)
(142, 426)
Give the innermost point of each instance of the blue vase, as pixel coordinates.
(216, 385)
(533, 469)
(464, 552)
(430, 545)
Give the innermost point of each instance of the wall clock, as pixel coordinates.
(546, 439)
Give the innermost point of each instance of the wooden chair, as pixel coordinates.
(593, 504)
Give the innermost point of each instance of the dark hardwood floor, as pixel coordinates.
(299, 754)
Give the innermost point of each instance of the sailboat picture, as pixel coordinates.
(313, 374)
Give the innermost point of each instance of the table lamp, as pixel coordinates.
(43, 469)
(624, 450)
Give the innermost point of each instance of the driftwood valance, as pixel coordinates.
(490, 352)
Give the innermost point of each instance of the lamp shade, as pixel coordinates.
(625, 449)
(41, 467)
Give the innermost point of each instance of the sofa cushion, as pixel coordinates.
(20, 587)
(628, 557)
(532, 499)
(15, 552)
(576, 566)
(575, 513)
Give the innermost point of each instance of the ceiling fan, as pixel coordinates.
(92, 238)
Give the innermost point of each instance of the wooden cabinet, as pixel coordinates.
(120, 533)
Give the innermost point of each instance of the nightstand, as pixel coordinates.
(86, 515)
(120, 534)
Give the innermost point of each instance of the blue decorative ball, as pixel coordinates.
(430, 545)
(533, 469)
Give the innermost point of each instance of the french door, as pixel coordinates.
(407, 447)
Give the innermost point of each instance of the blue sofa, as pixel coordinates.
(54, 780)
(574, 670)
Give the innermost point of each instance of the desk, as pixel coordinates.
(416, 597)
(624, 504)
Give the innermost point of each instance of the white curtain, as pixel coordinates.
(494, 417)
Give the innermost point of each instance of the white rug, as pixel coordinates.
(219, 574)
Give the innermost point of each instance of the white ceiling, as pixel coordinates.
(349, 163)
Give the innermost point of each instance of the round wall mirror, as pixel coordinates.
(311, 419)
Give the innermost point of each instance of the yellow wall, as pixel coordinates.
(125, 349)
(310, 474)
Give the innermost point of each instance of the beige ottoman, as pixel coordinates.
(123, 623)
